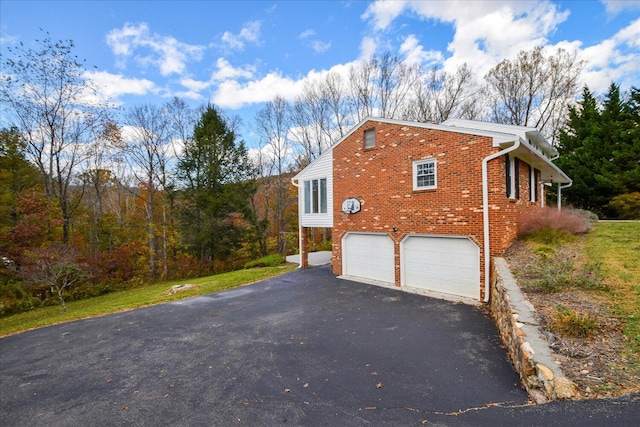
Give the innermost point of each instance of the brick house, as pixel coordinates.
(412, 205)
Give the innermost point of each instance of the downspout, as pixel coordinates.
(485, 212)
(560, 187)
(296, 184)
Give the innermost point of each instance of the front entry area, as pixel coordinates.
(445, 264)
(369, 256)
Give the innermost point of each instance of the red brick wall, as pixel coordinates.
(381, 178)
(505, 212)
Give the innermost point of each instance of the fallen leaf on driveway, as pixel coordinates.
(379, 385)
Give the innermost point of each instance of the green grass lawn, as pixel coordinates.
(617, 246)
(133, 298)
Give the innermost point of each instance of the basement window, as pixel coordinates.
(425, 174)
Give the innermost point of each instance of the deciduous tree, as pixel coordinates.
(56, 111)
(534, 89)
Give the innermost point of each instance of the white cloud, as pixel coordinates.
(485, 31)
(111, 86)
(194, 89)
(614, 7)
(614, 60)
(368, 48)
(630, 35)
(233, 94)
(250, 33)
(307, 33)
(384, 12)
(414, 53)
(226, 71)
(165, 52)
(320, 47)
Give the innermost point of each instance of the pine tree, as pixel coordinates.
(217, 187)
(600, 150)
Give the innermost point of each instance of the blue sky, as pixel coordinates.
(239, 54)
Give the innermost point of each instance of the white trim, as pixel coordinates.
(512, 176)
(415, 174)
(532, 184)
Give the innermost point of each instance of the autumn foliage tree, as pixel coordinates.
(56, 111)
(54, 266)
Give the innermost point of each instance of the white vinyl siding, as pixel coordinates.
(322, 172)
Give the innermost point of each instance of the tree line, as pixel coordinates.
(94, 195)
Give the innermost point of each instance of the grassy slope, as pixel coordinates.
(617, 246)
(133, 298)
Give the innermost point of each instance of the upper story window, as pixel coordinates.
(370, 138)
(425, 174)
(315, 196)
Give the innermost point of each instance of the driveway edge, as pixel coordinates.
(520, 331)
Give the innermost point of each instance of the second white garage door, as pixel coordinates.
(369, 256)
(443, 264)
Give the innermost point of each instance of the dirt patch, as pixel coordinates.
(598, 363)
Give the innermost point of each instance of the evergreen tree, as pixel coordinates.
(600, 150)
(217, 185)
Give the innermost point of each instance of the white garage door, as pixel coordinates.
(369, 256)
(442, 264)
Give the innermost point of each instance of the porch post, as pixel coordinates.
(304, 253)
(559, 195)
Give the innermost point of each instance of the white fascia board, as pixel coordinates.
(308, 170)
(527, 133)
(544, 164)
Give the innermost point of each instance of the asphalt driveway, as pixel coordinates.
(304, 348)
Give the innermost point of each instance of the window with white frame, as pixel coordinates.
(425, 174)
(315, 196)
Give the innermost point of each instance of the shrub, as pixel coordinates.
(569, 322)
(273, 260)
(550, 275)
(591, 278)
(546, 219)
(554, 274)
(544, 251)
(626, 206)
(550, 236)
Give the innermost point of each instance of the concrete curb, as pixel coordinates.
(520, 331)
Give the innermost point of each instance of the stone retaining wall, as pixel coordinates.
(528, 349)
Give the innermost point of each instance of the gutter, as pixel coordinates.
(560, 187)
(296, 184)
(485, 212)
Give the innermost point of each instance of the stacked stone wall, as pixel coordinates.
(520, 332)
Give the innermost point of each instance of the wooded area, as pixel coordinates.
(94, 199)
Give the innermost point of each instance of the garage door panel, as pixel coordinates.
(441, 264)
(370, 256)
